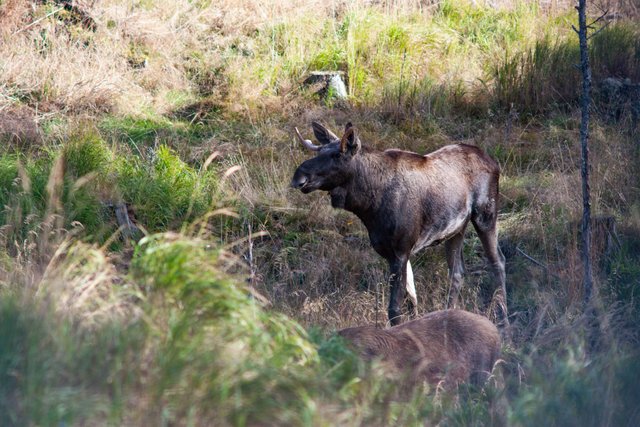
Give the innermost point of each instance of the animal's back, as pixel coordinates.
(454, 345)
(471, 174)
(431, 215)
(464, 155)
(464, 337)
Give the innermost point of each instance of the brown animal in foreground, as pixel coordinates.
(450, 345)
(410, 201)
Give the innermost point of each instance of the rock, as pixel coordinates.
(330, 84)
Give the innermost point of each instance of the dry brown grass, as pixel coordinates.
(82, 285)
(19, 127)
(139, 56)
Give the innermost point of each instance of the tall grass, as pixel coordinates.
(137, 59)
(179, 340)
(544, 77)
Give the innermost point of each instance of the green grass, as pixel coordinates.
(164, 191)
(185, 337)
(543, 78)
(139, 132)
(66, 352)
(161, 190)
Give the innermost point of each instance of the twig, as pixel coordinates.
(530, 258)
(536, 262)
(599, 18)
(377, 301)
(38, 20)
(252, 271)
(599, 29)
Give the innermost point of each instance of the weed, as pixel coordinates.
(162, 188)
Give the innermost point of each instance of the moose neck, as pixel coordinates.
(362, 193)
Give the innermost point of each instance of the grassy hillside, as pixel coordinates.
(219, 307)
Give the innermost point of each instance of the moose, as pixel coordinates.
(449, 346)
(409, 201)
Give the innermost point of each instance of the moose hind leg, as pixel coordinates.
(489, 238)
(455, 262)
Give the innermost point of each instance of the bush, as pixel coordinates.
(223, 357)
(163, 191)
(545, 78)
(539, 79)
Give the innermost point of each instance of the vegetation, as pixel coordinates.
(221, 311)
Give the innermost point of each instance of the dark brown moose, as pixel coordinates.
(410, 201)
(451, 346)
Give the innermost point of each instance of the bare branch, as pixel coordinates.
(600, 29)
(536, 262)
(599, 18)
(38, 20)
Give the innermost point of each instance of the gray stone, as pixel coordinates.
(328, 84)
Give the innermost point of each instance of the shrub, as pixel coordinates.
(163, 190)
(539, 79)
(223, 357)
(544, 77)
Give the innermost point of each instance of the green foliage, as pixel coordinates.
(230, 358)
(8, 175)
(341, 365)
(25, 183)
(544, 77)
(623, 277)
(486, 27)
(573, 390)
(23, 195)
(163, 190)
(137, 131)
(86, 152)
(623, 61)
(538, 79)
(52, 373)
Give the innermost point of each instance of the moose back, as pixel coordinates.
(450, 346)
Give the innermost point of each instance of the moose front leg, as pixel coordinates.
(397, 281)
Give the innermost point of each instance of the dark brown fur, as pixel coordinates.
(409, 201)
(450, 345)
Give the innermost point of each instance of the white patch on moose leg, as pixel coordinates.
(411, 287)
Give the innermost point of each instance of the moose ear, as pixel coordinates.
(323, 135)
(350, 141)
